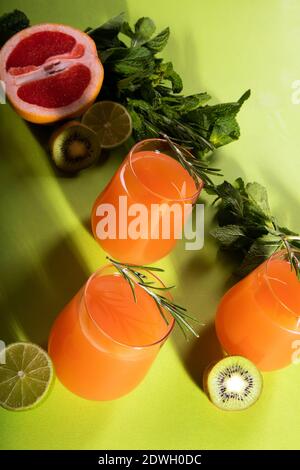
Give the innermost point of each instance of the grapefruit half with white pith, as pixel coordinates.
(51, 72)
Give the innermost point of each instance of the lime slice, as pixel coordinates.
(111, 121)
(25, 377)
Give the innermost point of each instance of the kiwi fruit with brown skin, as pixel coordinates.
(234, 383)
(74, 147)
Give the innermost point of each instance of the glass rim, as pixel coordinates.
(276, 255)
(131, 164)
(98, 272)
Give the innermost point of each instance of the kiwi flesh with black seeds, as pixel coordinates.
(74, 147)
(234, 383)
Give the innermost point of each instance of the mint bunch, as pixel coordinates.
(151, 89)
(247, 227)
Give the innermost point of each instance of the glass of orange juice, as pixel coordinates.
(259, 317)
(149, 198)
(103, 342)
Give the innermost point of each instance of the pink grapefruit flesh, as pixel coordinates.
(51, 72)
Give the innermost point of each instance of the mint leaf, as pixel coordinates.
(228, 235)
(194, 101)
(133, 61)
(244, 97)
(240, 186)
(11, 23)
(150, 94)
(123, 62)
(243, 205)
(225, 130)
(260, 250)
(126, 29)
(143, 30)
(137, 123)
(259, 196)
(106, 36)
(219, 121)
(158, 43)
(183, 104)
(168, 73)
(231, 202)
(112, 26)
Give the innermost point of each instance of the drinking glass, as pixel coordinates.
(259, 317)
(103, 342)
(142, 211)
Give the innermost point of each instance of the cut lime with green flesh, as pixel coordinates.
(25, 377)
(111, 121)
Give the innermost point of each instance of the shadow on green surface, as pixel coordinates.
(81, 189)
(201, 284)
(228, 258)
(30, 305)
(185, 58)
(202, 352)
(62, 421)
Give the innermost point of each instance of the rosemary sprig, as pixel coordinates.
(287, 242)
(133, 275)
(197, 169)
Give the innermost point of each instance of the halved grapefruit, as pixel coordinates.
(51, 72)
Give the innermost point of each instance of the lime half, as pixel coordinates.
(111, 121)
(25, 377)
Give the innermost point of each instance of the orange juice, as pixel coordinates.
(103, 342)
(259, 317)
(151, 176)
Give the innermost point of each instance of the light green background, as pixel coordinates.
(47, 251)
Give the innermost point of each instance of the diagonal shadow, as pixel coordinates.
(29, 307)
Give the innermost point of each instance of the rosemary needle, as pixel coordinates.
(198, 170)
(133, 275)
(287, 243)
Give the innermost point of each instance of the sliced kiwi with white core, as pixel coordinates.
(74, 147)
(234, 383)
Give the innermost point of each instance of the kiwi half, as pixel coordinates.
(74, 147)
(234, 383)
